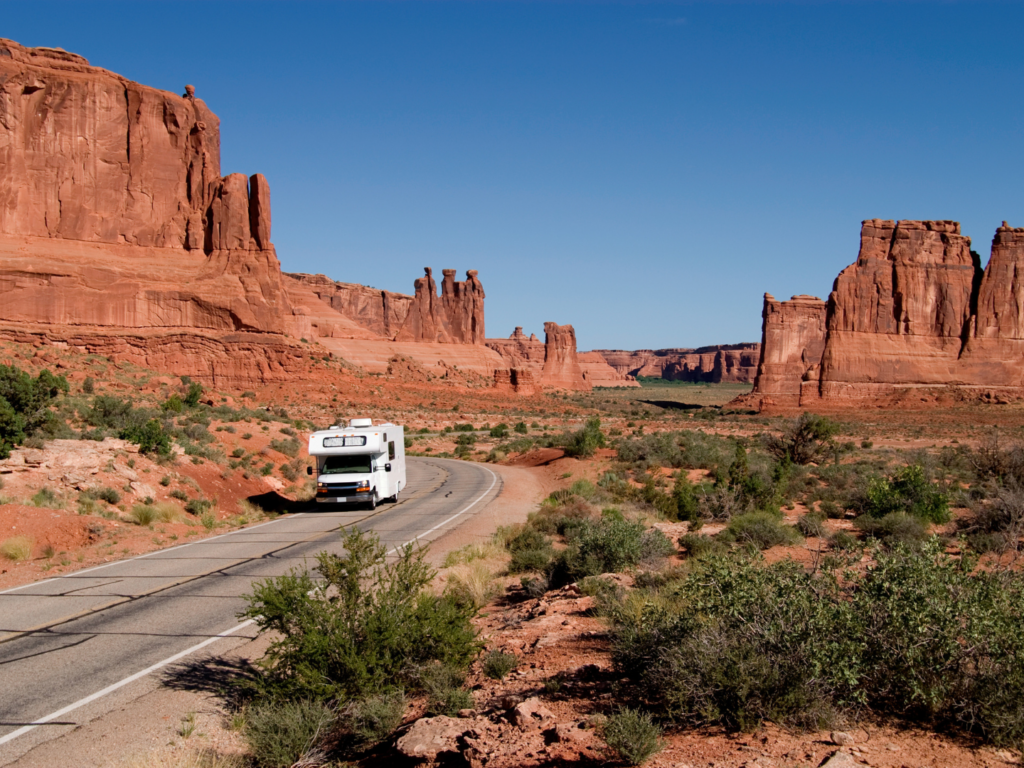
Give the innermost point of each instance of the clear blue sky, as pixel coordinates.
(644, 171)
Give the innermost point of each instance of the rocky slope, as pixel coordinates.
(915, 310)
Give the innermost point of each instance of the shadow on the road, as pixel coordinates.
(227, 678)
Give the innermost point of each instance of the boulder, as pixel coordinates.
(429, 737)
(530, 713)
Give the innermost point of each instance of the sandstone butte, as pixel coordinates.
(119, 236)
(916, 310)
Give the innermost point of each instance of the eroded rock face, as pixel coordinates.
(914, 310)
(600, 374)
(561, 367)
(792, 343)
(720, 363)
(114, 218)
(456, 317)
(383, 313)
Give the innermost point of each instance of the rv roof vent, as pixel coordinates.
(334, 426)
(361, 423)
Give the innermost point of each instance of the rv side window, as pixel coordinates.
(391, 450)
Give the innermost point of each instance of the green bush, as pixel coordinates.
(24, 405)
(893, 529)
(907, 491)
(501, 430)
(607, 545)
(289, 447)
(373, 719)
(150, 437)
(196, 507)
(760, 529)
(44, 497)
(520, 428)
(922, 635)
(843, 541)
(584, 442)
(659, 449)
(360, 629)
(699, 545)
(498, 664)
(531, 550)
(173, 404)
(279, 733)
(195, 391)
(142, 514)
(632, 735)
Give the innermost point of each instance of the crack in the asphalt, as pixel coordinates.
(51, 650)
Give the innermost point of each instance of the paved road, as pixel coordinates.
(71, 647)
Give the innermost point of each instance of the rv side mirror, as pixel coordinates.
(309, 470)
(387, 467)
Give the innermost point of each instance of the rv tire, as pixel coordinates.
(373, 501)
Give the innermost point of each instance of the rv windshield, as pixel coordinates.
(346, 465)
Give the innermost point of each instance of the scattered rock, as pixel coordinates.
(841, 738)
(531, 712)
(429, 737)
(839, 760)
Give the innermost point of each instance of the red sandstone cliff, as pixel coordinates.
(914, 310)
(114, 220)
(561, 368)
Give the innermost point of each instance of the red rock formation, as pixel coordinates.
(597, 371)
(381, 312)
(720, 363)
(792, 343)
(520, 350)
(914, 311)
(521, 381)
(114, 216)
(561, 368)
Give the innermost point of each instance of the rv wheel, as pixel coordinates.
(394, 499)
(373, 501)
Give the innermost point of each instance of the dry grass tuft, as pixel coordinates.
(17, 548)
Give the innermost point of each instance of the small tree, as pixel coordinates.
(805, 441)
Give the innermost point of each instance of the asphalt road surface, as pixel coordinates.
(73, 647)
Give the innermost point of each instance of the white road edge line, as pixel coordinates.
(181, 654)
(121, 683)
(494, 479)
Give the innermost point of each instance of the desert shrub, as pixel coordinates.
(288, 447)
(520, 428)
(45, 497)
(373, 719)
(280, 733)
(177, 493)
(632, 735)
(655, 546)
(109, 495)
(584, 489)
(583, 442)
(811, 524)
(740, 644)
(464, 428)
(907, 491)
(500, 430)
(197, 506)
(698, 545)
(997, 523)
(472, 583)
(760, 529)
(844, 541)
(192, 395)
(659, 449)
(89, 385)
(17, 548)
(531, 550)
(361, 628)
(142, 514)
(605, 545)
(806, 440)
(895, 528)
(830, 510)
(173, 404)
(24, 405)
(497, 664)
(703, 451)
(150, 437)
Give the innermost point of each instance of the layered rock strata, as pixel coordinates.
(915, 310)
(114, 216)
(561, 367)
(735, 363)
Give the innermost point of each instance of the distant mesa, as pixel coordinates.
(732, 363)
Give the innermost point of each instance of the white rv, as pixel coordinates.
(358, 464)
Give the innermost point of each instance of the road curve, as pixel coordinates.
(73, 647)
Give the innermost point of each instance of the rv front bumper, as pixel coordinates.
(326, 497)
